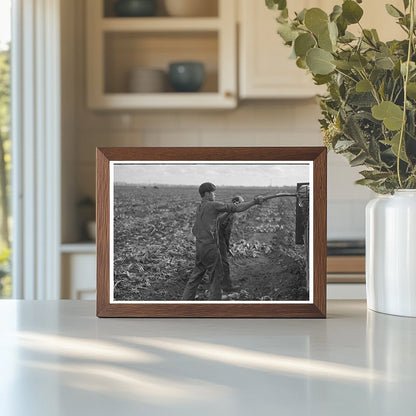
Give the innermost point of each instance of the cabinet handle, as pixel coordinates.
(229, 94)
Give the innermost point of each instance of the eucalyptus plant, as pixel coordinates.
(369, 111)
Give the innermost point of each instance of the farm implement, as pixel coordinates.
(302, 208)
(302, 218)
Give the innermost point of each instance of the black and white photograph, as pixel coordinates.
(211, 232)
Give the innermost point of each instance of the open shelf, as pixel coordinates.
(127, 51)
(160, 24)
(210, 9)
(116, 46)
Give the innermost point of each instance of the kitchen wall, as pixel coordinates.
(253, 123)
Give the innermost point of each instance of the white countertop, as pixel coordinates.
(57, 358)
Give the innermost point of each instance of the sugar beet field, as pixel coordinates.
(154, 249)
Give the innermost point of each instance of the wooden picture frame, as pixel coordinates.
(113, 163)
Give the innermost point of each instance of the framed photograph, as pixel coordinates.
(211, 232)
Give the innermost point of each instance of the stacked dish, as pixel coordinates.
(147, 80)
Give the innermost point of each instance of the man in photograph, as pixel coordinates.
(208, 257)
(224, 228)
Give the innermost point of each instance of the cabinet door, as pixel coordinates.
(266, 71)
(78, 276)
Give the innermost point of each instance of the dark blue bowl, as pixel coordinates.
(186, 76)
(135, 8)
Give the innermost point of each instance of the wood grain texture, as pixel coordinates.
(319, 229)
(317, 309)
(103, 231)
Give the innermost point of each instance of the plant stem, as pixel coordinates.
(373, 88)
(405, 81)
(346, 75)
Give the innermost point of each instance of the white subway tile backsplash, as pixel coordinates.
(306, 114)
(156, 119)
(288, 137)
(170, 138)
(233, 138)
(96, 120)
(202, 120)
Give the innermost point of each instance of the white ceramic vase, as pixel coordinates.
(391, 253)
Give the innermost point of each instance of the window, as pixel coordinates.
(5, 147)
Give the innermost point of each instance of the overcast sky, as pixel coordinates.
(219, 174)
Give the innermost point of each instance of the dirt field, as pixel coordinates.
(154, 249)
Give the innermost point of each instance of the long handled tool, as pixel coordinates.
(302, 208)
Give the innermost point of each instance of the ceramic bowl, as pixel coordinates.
(186, 76)
(135, 8)
(147, 80)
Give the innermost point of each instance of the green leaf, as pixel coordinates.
(362, 99)
(287, 33)
(411, 123)
(281, 19)
(351, 11)
(368, 36)
(353, 131)
(374, 174)
(382, 89)
(363, 86)
(336, 12)
(333, 32)
(411, 90)
(301, 63)
(406, 4)
(347, 37)
(394, 143)
(375, 35)
(396, 70)
(343, 145)
(276, 4)
(342, 25)
(319, 61)
(358, 160)
(412, 67)
(301, 15)
(393, 11)
(391, 114)
(292, 52)
(384, 62)
(358, 61)
(325, 42)
(303, 43)
(365, 182)
(405, 21)
(345, 65)
(374, 150)
(316, 20)
(321, 79)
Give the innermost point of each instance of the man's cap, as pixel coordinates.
(206, 187)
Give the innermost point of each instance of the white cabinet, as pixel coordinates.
(78, 262)
(118, 45)
(265, 69)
